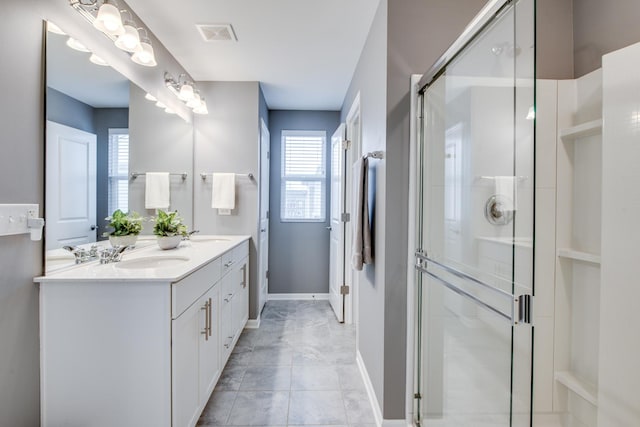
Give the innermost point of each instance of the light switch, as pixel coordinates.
(13, 218)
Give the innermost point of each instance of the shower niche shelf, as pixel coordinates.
(573, 254)
(582, 388)
(575, 133)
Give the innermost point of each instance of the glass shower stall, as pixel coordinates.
(474, 227)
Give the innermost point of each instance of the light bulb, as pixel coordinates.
(97, 60)
(129, 41)
(160, 105)
(108, 20)
(145, 56)
(202, 108)
(169, 111)
(195, 101)
(75, 44)
(186, 92)
(150, 97)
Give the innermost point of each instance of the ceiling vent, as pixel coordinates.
(217, 32)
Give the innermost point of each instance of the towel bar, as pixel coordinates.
(204, 175)
(135, 175)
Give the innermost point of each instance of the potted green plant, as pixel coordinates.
(126, 227)
(169, 229)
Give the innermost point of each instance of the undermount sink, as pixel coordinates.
(152, 262)
(208, 239)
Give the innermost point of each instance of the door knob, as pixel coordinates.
(262, 230)
(328, 228)
(93, 227)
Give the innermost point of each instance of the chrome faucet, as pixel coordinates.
(83, 255)
(191, 233)
(114, 254)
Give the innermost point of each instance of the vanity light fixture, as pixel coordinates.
(150, 97)
(109, 20)
(98, 61)
(184, 88)
(76, 45)
(160, 105)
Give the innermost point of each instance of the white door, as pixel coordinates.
(71, 186)
(337, 226)
(263, 263)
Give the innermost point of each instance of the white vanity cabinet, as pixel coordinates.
(234, 311)
(127, 347)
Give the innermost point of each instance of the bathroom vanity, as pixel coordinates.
(141, 342)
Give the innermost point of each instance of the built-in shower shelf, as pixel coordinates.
(579, 255)
(593, 127)
(582, 388)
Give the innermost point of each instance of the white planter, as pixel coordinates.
(169, 242)
(129, 240)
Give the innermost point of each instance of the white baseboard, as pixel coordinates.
(377, 412)
(253, 323)
(285, 297)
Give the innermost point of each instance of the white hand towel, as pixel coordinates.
(223, 194)
(157, 194)
(362, 252)
(506, 188)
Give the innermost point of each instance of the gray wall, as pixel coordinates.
(227, 140)
(159, 142)
(22, 174)
(68, 111)
(554, 39)
(370, 81)
(105, 119)
(601, 27)
(298, 251)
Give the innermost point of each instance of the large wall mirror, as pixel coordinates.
(100, 129)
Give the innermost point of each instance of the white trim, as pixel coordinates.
(287, 297)
(253, 323)
(352, 277)
(396, 423)
(377, 412)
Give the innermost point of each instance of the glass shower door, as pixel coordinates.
(474, 255)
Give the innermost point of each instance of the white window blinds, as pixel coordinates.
(118, 187)
(303, 176)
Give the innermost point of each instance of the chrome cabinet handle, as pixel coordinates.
(228, 298)
(206, 332)
(210, 316)
(228, 264)
(244, 276)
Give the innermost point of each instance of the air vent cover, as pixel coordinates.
(217, 32)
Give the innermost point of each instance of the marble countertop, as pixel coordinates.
(196, 252)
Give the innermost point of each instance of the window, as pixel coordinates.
(303, 176)
(118, 191)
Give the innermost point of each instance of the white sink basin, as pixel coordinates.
(152, 262)
(208, 239)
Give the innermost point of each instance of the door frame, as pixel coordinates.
(264, 129)
(354, 152)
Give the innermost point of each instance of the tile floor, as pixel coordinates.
(298, 368)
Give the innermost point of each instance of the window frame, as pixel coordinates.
(322, 179)
(111, 178)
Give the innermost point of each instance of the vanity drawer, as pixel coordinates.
(233, 256)
(188, 290)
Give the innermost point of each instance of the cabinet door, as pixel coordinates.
(187, 332)
(240, 300)
(209, 351)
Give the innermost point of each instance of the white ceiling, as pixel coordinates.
(304, 52)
